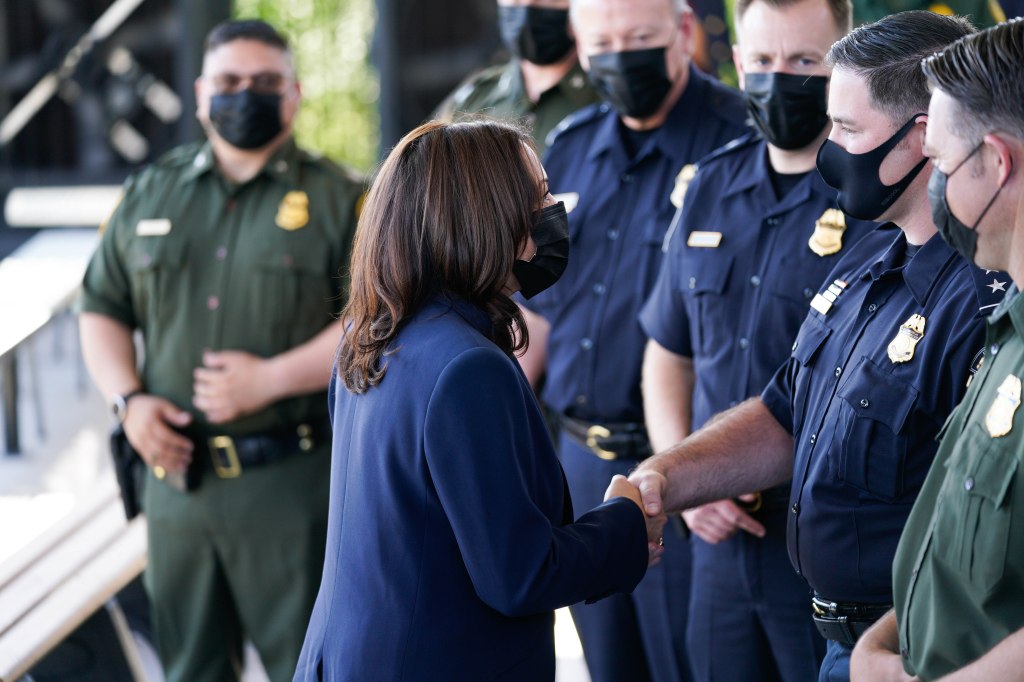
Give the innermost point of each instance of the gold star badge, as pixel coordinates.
(293, 212)
(901, 348)
(828, 233)
(999, 420)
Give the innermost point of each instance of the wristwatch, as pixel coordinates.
(120, 405)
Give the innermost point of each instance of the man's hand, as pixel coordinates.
(231, 384)
(148, 425)
(621, 487)
(876, 657)
(652, 486)
(718, 521)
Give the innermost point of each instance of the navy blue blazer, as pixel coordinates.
(450, 542)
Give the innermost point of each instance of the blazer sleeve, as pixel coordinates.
(479, 445)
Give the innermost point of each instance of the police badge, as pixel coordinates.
(901, 348)
(293, 212)
(828, 233)
(999, 420)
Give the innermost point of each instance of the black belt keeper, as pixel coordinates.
(611, 441)
(845, 622)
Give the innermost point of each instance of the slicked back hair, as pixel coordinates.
(888, 54)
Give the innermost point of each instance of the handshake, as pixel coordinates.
(646, 493)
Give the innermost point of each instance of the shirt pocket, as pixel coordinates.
(972, 525)
(295, 297)
(795, 279)
(704, 279)
(875, 408)
(156, 266)
(652, 237)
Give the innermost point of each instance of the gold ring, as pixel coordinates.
(159, 472)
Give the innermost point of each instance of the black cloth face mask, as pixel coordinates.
(550, 233)
(245, 119)
(634, 82)
(855, 176)
(963, 239)
(789, 110)
(537, 34)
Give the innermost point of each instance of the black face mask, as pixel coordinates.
(551, 235)
(789, 110)
(245, 119)
(861, 193)
(536, 34)
(634, 82)
(963, 239)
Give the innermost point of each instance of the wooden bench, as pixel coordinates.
(38, 281)
(50, 587)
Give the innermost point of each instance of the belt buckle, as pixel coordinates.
(593, 433)
(823, 608)
(751, 507)
(225, 445)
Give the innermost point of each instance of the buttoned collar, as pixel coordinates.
(671, 139)
(1011, 306)
(757, 176)
(924, 268)
(282, 166)
(573, 86)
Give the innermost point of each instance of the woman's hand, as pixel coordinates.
(621, 487)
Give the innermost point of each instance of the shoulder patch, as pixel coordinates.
(578, 119)
(991, 286)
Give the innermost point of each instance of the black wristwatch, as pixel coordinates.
(120, 405)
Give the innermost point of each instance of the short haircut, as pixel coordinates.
(451, 207)
(984, 74)
(888, 54)
(841, 10)
(246, 29)
(678, 7)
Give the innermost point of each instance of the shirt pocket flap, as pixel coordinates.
(809, 339)
(707, 275)
(875, 394)
(985, 473)
(155, 253)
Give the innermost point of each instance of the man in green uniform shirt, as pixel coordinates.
(958, 575)
(228, 256)
(542, 83)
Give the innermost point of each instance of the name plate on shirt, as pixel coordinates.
(153, 227)
(704, 240)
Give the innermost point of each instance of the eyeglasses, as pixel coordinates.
(265, 83)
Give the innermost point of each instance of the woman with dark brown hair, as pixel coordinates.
(451, 537)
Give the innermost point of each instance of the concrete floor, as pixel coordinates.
(63, 430)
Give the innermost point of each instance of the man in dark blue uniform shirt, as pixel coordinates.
(614, 165)
(882, 358)
(756, 237)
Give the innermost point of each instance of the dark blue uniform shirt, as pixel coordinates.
(735, 308)
(617, 228)
(863, 425)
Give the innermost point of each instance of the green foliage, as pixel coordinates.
(331, 43)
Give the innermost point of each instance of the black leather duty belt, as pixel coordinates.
(609, 441)
(229, 456)
(845, 622)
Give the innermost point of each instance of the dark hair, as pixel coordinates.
(246, 29)
(841, 10)
(984, 74)
(449, 210)
(888, 55)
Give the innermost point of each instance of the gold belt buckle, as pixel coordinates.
(226, 445)
(751, 507)
(593, 433)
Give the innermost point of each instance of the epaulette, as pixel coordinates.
(179, 156)
(576, 120)
(731, 147)
(991, 286)
(474, 82)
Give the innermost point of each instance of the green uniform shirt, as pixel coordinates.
(498, 91)
(958, 575)
(198, 263)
